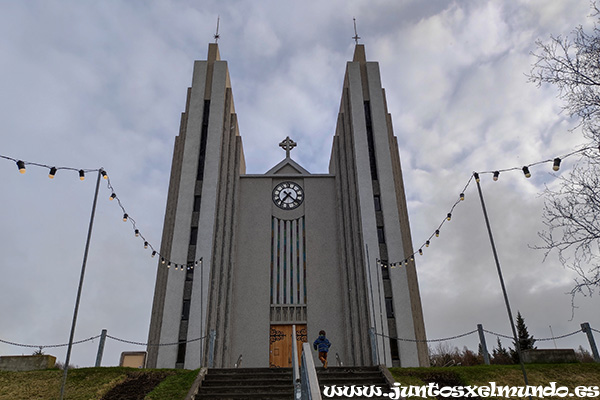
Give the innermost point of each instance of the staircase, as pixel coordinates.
(348, 376)
(247, 383)
(276, 383)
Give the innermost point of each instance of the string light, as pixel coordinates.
(137, 232)
(21, 166)
(420, 252)
(556, 165)
(476, 175)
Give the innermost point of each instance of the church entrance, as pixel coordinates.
(280, 344)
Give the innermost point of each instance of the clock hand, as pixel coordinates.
(287, 194)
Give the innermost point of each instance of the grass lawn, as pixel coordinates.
(90, 383)
(569, 375)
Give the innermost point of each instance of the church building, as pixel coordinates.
(246, 258)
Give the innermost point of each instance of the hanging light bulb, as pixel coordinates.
(449, 216)
(52, 173)
(162, 260)
(427, 243)
(103, 173)
(137, 233)
(462, 197)
(526, 172)
(169, 264)
(420, 252)
(112, 196)
(176, 267)
(476, 175)
(496, 175)
(153, 253)
(81, 174)
(437, 233)
(556, 165)
(145, 245)
(412, 257)
(125, 216)
(21, 166)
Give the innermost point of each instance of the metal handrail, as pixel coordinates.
(310, 381)
(295, 367)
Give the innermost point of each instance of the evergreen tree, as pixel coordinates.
(526, 342)
(500, 354)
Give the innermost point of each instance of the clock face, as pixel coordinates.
(288, 195)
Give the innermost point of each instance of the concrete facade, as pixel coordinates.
(243, 266)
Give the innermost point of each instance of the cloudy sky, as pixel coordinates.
(103, 84)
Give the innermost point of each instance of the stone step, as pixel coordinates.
(248, 381)
(257, 395)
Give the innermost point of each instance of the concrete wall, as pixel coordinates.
(550, 356)
(252, 280)
(26, 363)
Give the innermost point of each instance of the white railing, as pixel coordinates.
(295, 367)
(310, 382)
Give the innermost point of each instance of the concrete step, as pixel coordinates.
(247, 383)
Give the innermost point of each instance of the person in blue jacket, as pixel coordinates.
(322, 344)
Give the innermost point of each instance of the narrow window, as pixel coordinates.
(194, 236)
(394, 349)
(380, 234)
(385, 272)
(389, 307)
(377, 200)
(196, 203)
(185, 312)
(181, 353)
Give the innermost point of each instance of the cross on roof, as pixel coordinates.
(288, 144)
(355, 37)
(217, 36)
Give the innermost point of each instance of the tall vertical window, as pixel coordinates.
(377, 200)
(380, 234)
(194, 236)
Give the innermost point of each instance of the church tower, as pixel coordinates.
(246, 259)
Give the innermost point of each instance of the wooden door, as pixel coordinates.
(280, 344)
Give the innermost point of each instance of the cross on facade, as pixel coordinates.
(288, 144)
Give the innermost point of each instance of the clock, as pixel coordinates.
(288, 195)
